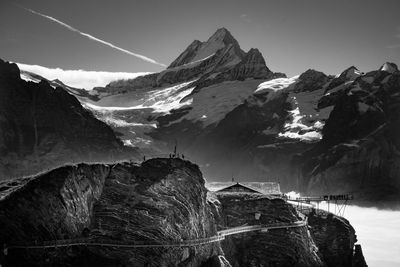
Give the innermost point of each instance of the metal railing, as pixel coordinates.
(146, 244)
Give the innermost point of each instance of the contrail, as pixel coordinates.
(91, 37)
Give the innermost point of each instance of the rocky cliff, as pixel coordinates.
(278, 247)
(334, 237)
(42, 126)
(161, 200)
(158, 201)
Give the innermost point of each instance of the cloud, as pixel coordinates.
(91, 37)
(79, 78)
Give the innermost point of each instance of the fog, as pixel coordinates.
(378, 232)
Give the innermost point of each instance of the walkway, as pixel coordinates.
(145, 244)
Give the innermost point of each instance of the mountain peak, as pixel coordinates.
(224, 36)
(198, 51)
(350, 73)
(222, 30)
(221, 34)
(389, 67)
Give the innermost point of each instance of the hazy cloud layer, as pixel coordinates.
(79, 78)
(378, 232)
(91, 37)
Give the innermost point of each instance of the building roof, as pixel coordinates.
(237, 186)
(266, 188)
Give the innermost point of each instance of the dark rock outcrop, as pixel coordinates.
(358, 257)
(350, 74)
(311, 80)
(279, 247)
(334, 237)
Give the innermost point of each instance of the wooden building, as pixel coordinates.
(240, 188)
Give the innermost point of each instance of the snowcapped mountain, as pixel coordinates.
(215, 95)
(231, 114)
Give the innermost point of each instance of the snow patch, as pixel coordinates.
(160, 100)
(110, 120)
(353, 74)
(308, 136)
(208, 49)
(306, 123)
(388, 68)
(136, 141)
(276, 84)
(29, 78)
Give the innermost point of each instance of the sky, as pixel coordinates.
(144, 36)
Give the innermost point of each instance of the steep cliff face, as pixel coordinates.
(158, 201)
(43, 127)
(54, 205)
(334, 237)
(278, 247)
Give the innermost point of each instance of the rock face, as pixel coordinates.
(42, 127)
(349, 74)
(221, 39)
(54, 205)
(161, 200)
(280, 247)
(311, 80)
(358, 258)
(389, 67)
(358, 151)
(334, 237)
